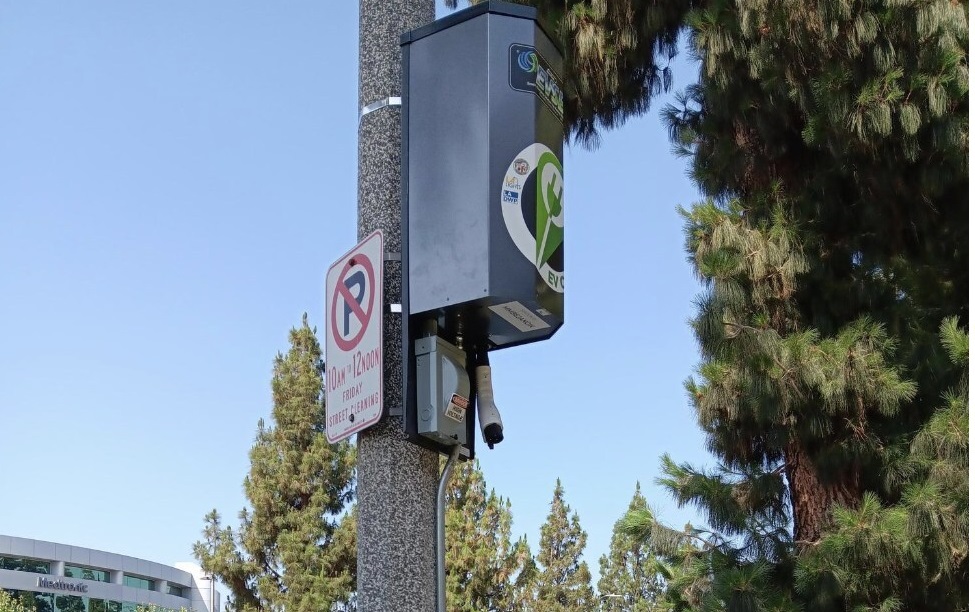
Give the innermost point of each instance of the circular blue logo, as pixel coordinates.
(528, 61)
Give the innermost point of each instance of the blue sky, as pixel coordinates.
(175, 180)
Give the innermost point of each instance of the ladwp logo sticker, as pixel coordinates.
(535, 216)
(528, 71)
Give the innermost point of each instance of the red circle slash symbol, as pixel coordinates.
(364, 281)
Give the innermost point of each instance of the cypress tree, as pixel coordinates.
(482, 564)
(562, 582)
(296, 546)
(629, 575)
(285, 553)
(523, 584)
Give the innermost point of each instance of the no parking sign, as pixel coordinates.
(354, 340)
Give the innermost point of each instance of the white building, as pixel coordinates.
(65, 578)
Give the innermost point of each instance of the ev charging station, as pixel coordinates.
(482, 213)
(481, 261)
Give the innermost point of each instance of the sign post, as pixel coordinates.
(396, 480)
(354, 340)
(475, 254)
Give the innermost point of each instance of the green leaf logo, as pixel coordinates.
(549, 219)
(540, 240)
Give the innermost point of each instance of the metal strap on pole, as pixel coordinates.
(441, 530)
(378, 104)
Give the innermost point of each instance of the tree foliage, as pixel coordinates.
(877, 553)
(484, 568)
(630, 578)
(830, 139)
(823, 498)
(14, 603)
(295, 547)
(562, 578)
(617, 56)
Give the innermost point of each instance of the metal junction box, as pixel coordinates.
(443, 391)
(483, 217)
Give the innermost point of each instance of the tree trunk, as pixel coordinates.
(811, 497)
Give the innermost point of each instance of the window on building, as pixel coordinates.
(128, 606)
(174, 589)
(70, 603)
(19, 564)
(86, 573)
(139, 583)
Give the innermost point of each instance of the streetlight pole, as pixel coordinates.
(396, 479)
(213, 587)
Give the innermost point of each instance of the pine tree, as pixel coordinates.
(777, 400)
(562, 581)
(831, 140)
(482, 563)
(285, 554)
(875, 550)
(629, 576)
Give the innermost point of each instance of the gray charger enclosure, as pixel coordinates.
(483, 103)
(483, 223)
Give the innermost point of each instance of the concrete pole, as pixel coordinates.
(397, 480)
